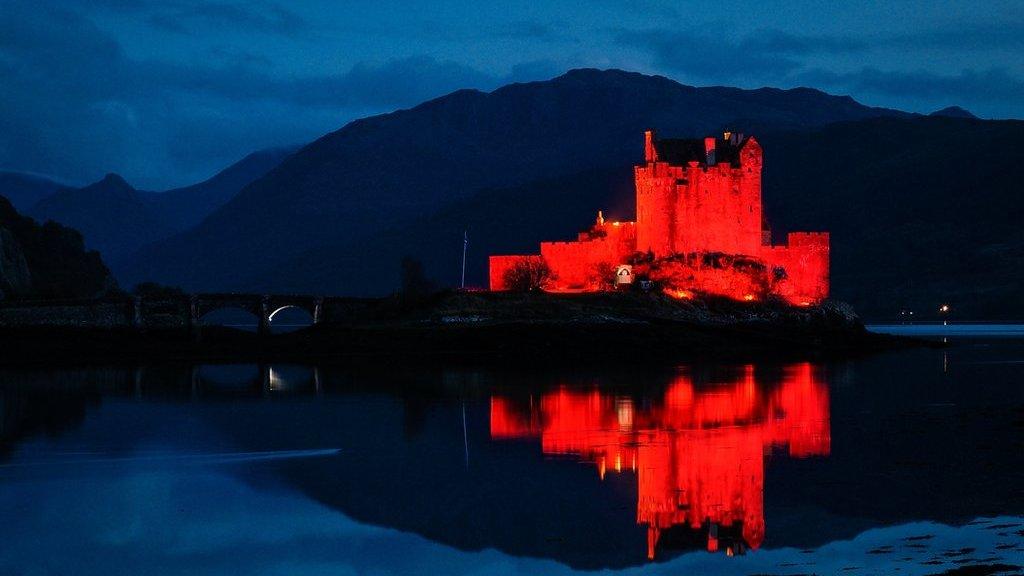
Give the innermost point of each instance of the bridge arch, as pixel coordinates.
(229, 315)
(290, 316)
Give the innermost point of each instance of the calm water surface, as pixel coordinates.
(909, 462)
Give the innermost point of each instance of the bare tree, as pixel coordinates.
(528, 274)
(415, 283)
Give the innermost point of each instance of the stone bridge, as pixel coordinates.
(174, 311)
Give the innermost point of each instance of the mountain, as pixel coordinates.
(117, 219)
(953, 112)
(46, 261)
(113, 217)
(923, 211)
(23, 190)
(379, 173)
(182, 208)
(498, 221)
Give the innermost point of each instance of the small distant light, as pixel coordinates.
(944, 308)
(749, 297)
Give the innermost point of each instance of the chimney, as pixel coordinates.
(650, 154)
(709, 150)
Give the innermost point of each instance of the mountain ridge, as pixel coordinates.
(24, 189)
(375, 173)
(922, 250)
(118, 219)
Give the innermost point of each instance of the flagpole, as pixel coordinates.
(465, 243)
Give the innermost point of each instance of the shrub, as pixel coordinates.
(528, 275)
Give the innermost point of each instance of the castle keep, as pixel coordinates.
(699, 229)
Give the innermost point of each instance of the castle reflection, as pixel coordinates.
(698, 452)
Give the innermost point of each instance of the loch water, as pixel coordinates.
(908, 462)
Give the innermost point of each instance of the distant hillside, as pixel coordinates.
(182, 208)
(113, 217)
(498, 221)
(953, 112)
(378, 173)
(46, 261)
(24, 190)
(922, 211)
(118, 220)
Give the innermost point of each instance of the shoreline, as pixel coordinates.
(488, 328)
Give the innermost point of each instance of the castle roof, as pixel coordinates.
(681, 151)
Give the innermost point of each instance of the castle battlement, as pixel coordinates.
(694, 196)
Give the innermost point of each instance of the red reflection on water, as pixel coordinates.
(698, 453)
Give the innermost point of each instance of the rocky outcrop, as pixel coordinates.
(47, 260)
(14, 274)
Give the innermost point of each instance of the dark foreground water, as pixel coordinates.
(909, 463)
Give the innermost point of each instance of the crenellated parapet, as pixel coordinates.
(695, 197)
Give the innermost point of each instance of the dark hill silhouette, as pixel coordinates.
(23, 190)
(380, 172)
(499, 221)
(46, 261)
(182, 208)
(113, 217)
(117, 219)
(953, 112)
(922, 211)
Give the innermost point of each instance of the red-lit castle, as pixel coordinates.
(699, 230)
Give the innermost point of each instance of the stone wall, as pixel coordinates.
(170, 312)
(98, 314)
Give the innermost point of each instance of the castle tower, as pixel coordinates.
(699, 196)
(655, 199)
(694, 197)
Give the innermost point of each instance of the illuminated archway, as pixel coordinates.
(290, 317)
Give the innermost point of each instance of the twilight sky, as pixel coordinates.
(167, 92)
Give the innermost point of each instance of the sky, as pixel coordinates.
(168, 92)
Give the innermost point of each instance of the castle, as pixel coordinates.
(697, 452)
(699, 229)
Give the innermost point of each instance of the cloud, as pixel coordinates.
(76, 105)
(186, 16)
(778, 58)
(992, 86)
(1007, 35)
(191, 16)
(718, 58)
(528, 29)
(778, 42)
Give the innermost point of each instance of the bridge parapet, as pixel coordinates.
(68, 314)
(174, 311)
